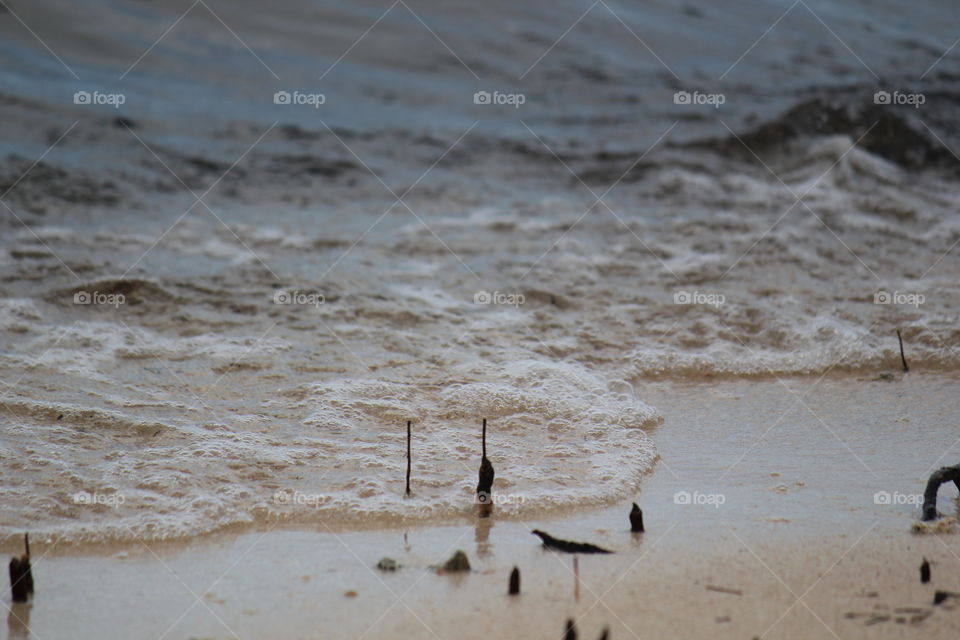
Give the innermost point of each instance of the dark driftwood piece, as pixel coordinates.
(514, 582)
(21, 575)
(408, 457)
(605, 634)
(565, 545)
(940, 596)
(925, 572)
(636, 519)
(903, 358)
(570, 631)
(485, 484)
(937, 478)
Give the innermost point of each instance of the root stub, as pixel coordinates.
(937, 478)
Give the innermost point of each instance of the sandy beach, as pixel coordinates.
(788, 541)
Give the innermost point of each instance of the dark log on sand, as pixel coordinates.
(937, 478)
(570, 631)
(565, 545)
(925, 572)
(21, 575)
(636, 519)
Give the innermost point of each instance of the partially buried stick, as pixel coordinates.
(514, 589)
(485, 484)
(903, 358)
(21, 575)
(636, 519)
(408, 457)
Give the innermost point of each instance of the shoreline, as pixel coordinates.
(656, 393)
(766, 540)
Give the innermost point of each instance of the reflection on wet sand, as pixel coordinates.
(18, 621)
(482, 536)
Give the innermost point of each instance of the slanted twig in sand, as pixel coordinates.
(408, 457)
(565, 545)
(733, 592)
(21, 575)
(485, 484)
(938, 477)
(903, 358)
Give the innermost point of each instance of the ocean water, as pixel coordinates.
(240, 249)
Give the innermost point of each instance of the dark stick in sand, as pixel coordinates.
(903, 358)
(937, 478)
(514, 582)
(636, 519)
(570, 631)
(925, 572)
(605, 634)
(565, 545)
(408, 457)
(485, 484)
(483, 439)
(21, 575)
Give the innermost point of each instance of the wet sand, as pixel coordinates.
(797, 546)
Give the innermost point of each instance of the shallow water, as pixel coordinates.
(208, 362)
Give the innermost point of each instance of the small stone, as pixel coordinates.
(457, 562)
(388, 564)
(350, 594)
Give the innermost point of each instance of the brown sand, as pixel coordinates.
(799, 548)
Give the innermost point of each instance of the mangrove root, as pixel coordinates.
(938, 477)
